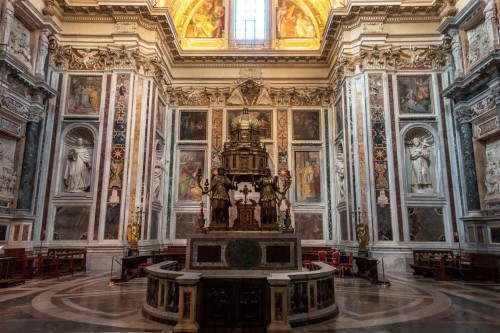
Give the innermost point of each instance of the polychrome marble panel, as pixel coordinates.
(426, 224)
(308, 225)
(71, 223)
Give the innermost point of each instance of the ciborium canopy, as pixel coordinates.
(244, 156)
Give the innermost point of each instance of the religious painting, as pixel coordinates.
(426, 224)
(160, 118)
(307, 177)
(71, 223)
(264, 118)
(83, 97)
(193, 125)
(415, 94)
(306, 125)
(293, 22)
(185, 224)
(309, 226)
(207, 21)
(189, 163)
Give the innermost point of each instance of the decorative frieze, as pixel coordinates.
(126, 27)
(10, 127)
(483, 106)
(487, 127)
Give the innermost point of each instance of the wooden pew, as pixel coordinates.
(483, 266)
(7, 272)
(174, 252)
(64, 260)
(24, 263)
(431, 263)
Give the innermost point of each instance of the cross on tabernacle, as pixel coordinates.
(245, 191)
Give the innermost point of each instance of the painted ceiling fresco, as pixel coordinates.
(205, 24)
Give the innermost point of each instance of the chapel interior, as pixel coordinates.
(249, 165)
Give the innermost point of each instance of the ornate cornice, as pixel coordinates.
(154, 19)
(251, 92)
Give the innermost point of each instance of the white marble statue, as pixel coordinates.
(420, 164)
(160, 166)
(492, 178)
(340, 170)
(78, 168)
(456, 51)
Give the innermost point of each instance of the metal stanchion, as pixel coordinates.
(110, 282)
(384, 283)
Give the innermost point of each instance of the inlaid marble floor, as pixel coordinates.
(87, 304)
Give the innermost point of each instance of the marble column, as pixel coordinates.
(29, 166)
(466, 137)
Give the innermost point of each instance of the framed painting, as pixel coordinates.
(415, 94)
(264, 117)
(189, 163)
(83, 96)
(307, 177)
(193, 126)
(306, 125)
(293, 22)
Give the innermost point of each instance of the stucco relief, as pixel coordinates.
(492, 178)
(8, 175)
(456, 51)
(479, 42)
(20, 41)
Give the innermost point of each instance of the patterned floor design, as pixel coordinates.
(410, 304)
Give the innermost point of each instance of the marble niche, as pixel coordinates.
(492, 174)
(77, 161)
(8, 175)
(420, 161)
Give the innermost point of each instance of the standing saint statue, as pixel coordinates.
(219, 199)
(268, 188)
(78, 168)
(363, 236)
(420, 162)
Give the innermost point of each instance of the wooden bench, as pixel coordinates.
(131, 265)
(59, 261)
(7, 272)
(24, 262)
(431, 263)
(174, 252)
(483, 266)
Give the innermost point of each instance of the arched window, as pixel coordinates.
(250, 19)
